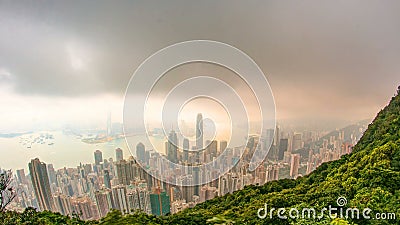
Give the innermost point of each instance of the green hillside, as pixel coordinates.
(367, 178)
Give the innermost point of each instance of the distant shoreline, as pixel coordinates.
(13, 135)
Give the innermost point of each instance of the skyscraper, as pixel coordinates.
(160, 204)
(119, 155)
(98, 157)
(104, 200)
(139, 198)
(199, 136)
(196, 180)
(21, 176)
(277, 136)
(141, 152)
(297, 142)
(213, 148)
(41, 185)
(62, 204)
(119, 196)
(172, 148)
(51, 173)
(107, 180)
(199, 131)
(185, 149)
(207, 193)
(84, 206)
(222, 146)
(294, 165)
(272, 172)
(283, 147)
(126, 171)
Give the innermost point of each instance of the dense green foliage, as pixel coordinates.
(369, 177)
(31, 216)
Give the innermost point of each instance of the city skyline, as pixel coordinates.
(123, 184)
(157, 144)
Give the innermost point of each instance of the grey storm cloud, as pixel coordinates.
(343, 51)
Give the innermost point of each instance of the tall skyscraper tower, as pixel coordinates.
(41, 185)
(222, 146)
(98, 157)
(185, 149)
(21, 176)
(138, 198)
(199, 132)
(160, 203)
(199, 136)
(196, 180)
(187, 188)
(172, 148)
(294, 165)
(141, 152)
(105, 201)
(277, 136)
(119, 196)
(62, 204)
(51, 173)
(283, 147)
(119, 154)
(268, 143)
(297, 142)
(107, 179)
(127, 171)
(213, 148)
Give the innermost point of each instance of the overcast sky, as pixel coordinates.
(70, 62)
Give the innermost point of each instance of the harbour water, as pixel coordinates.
(62, 150)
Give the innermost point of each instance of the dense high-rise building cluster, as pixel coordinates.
(92, 190)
